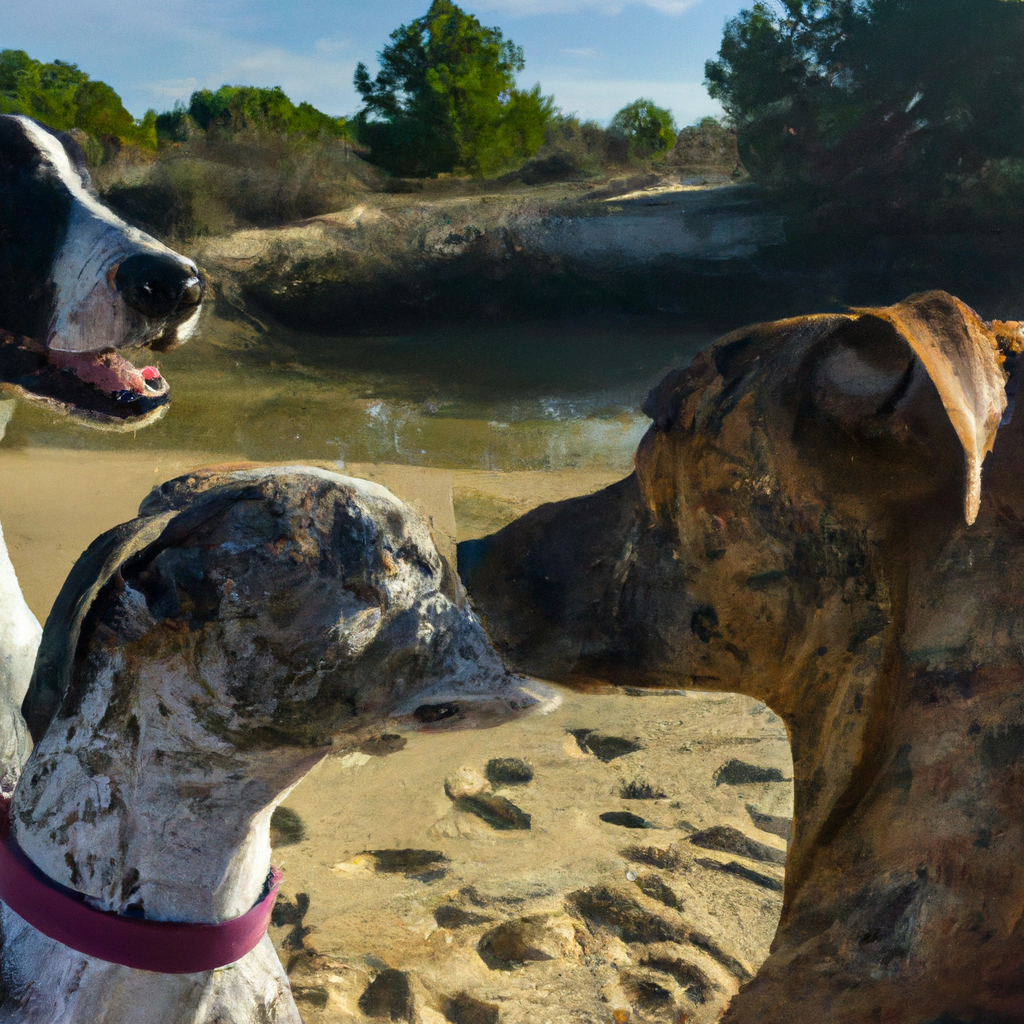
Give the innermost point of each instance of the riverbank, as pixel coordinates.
(712, 254)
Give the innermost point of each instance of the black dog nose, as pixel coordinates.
(157, 283)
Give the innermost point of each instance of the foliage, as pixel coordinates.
(573, 149)
(234, 109)
(66, 98)
(649, 129)
(912, 104)
(214, 184)
(446, 98)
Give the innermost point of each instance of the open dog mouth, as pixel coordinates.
(103, 388)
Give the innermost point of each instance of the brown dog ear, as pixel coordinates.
(889, 351)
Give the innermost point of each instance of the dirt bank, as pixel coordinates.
(712, 254)
(541, 250)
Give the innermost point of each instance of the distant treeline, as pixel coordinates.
(65, 98)
(445, 100)
(234, 109)
(893, 114)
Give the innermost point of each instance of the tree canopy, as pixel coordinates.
(918, 104)
(650, 129)
(64, 97)
(235, 108)
(445, 98)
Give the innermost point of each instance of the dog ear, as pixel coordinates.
(874, 369)
(93, 570)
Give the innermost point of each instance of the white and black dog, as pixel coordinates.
(77, 286)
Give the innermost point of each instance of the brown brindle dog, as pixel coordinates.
(808, 524)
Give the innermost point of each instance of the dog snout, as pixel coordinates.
(157, 284)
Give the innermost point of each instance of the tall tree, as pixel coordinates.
(917, 105)
(64, 97)
(649, 128)
(446, 98)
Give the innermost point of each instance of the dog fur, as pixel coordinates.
(808, 523)
(77, 286)
(198, 663)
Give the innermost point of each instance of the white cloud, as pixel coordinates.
(331, 45)
(600, 98)
(590, 54)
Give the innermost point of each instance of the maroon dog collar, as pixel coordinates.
(166, 947)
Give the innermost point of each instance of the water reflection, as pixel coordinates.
(535, 395)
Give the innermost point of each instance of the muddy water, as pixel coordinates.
(535, 395)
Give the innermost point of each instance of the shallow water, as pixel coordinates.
(552, 394)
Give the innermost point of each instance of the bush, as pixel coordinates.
(65, 98)
(235, 109)
(647, 128)
(210, 186)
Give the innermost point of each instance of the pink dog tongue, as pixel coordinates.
(105, 370)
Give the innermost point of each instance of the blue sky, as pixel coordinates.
(594, 56)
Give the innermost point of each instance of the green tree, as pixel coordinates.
(445, 98)
(648, 128)
(912, 104)
(246, 108)
(64, 97)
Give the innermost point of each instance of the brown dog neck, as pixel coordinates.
(809, 524)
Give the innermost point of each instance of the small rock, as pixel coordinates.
(450, 916)
(731, 840)
(696, 985)
(498, 812)
(508, 771)
(604, 748)
(653, 886)
(606, 907)
(780, 825)
(423, 865)
(466, 782)
(734, 868)
(514, 943)
(381, 746)
(286, 828)
(625, 819)
(737, 773)
(645, 993)
(388, 996)
(464, 1009)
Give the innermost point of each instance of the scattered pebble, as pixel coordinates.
(497, 811)
(625, 819)
(286, 828)
(389, 996)
(604, 748)
(731, 840)
(737, 773)
(422, 865)
(466, 782)
(508, 771)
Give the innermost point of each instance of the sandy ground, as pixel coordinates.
(518, 902)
